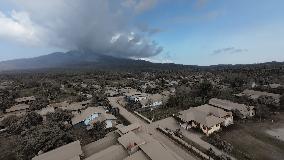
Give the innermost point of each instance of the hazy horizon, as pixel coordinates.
(195, 32)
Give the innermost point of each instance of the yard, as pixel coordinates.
(251, 141)
(159, 113)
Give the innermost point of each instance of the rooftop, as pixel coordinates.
(111, 153)
(156, 151)
(18, 107)
(229, 105)
(130, 139)
(131, 127)
(24, 99)
(256, 94)
(200, 117)
(70, 151)
(139, 155)
(89, 112)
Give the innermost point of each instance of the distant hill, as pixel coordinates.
(71, 59)
(90, 60)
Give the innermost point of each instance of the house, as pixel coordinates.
(129, 145)
(131, 142)
(18, 109)
(136, 96)
(146, 85)
(127, 90)
(71, 151)
(156, 151)
(125, 129)
(92, 115)
(113, 152)
(244, 110)
(256, 94)
(44, 111)
(111, 91)
(274, 85)
(74, 107)
(152, 100)
(206, 117)
(25, 100)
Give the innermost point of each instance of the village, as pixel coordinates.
(133, 119)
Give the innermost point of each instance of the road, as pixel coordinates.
(151, 130)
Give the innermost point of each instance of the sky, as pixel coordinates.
(194, 32)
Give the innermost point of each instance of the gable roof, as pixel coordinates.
(229, 105)
(24, 99)
(111, 153)
(208, 109)
(200, 117)
(90, 111)
(139, 155)
(131, 127)
(130, 139)
(256, 94)
(156, 151)
(70, 151)
(18, 107)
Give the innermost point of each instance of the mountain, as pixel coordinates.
(91, 60)
(71, 59)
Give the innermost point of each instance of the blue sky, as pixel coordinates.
(198, 32)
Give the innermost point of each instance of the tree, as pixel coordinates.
(25, 122)
(262, 111)
(43, 138)
(8, 121)
(268, 101)
(60, 116)
(99, 130)
(282, 102)
(133, 106)
(217, 141)
(38, 104)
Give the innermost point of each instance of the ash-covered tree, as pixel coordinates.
(98, 131)
(282, 102)
(60, 116)
(268, 102)
(7, 99)
(43, 138)
(220, 143)
(39, 103)
(25, 122)
(262, 111)
(133, 106)
(8, 121)
(99, 99)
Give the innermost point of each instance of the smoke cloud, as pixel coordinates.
(103, 26)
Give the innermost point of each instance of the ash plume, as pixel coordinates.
(102, 26)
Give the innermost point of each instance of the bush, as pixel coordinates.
(217, 141)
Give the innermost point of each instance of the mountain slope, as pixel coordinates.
(71, 59)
